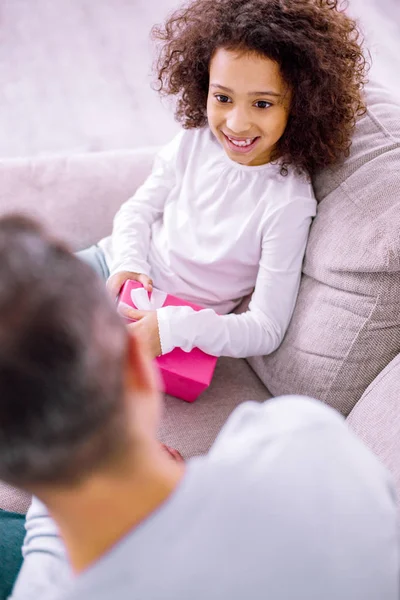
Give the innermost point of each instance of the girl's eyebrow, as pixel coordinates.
(225, 89)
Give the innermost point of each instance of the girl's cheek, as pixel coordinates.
(214, 113)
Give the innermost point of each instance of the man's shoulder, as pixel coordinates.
(254, 423)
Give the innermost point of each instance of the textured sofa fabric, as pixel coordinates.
(346, 324)
(376, 418)
(76, 196)
(12, 499)
(192, 428)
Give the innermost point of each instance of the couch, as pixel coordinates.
(343, 342)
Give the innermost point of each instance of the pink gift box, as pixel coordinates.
(184, 374)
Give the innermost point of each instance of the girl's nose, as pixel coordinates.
(238, 122)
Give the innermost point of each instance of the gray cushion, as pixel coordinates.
(12, 499)
(346, 324)
(192, 428)
(75, 196)
(376, 418)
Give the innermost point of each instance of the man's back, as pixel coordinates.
(282, 507)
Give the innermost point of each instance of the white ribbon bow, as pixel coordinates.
(140, 298)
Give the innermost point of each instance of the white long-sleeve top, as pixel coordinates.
(209, 230)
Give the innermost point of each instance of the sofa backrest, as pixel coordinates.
(76, 196)
(346, 325)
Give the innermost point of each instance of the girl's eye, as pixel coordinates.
(223, 99)
(263, 104)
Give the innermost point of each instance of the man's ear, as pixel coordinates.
(140, 375)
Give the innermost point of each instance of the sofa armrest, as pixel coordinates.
(376, 418)
(76, 196)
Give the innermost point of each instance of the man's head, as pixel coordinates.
(70, 375)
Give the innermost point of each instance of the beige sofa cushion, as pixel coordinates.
(376, 418)
(192, 428)
(346, 324)
(13, 500)
(76, 196)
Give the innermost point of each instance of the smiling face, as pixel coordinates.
(248, 105)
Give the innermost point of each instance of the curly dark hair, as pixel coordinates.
(317, 46)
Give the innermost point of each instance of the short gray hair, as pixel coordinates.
(62, 356)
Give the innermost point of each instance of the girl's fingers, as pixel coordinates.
(130, 313)
(146, 282)
(114, 285)
(115, 282)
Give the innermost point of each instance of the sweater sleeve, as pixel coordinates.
(45, 571)
(132, 223)
(261, 329)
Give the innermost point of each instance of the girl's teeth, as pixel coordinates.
(242, 143)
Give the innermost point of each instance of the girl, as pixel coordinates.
(268, 91)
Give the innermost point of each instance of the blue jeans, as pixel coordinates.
(94, 257)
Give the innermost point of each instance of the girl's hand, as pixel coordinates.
(145, 328)
(116, 281)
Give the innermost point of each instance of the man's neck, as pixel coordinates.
(94, 516)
